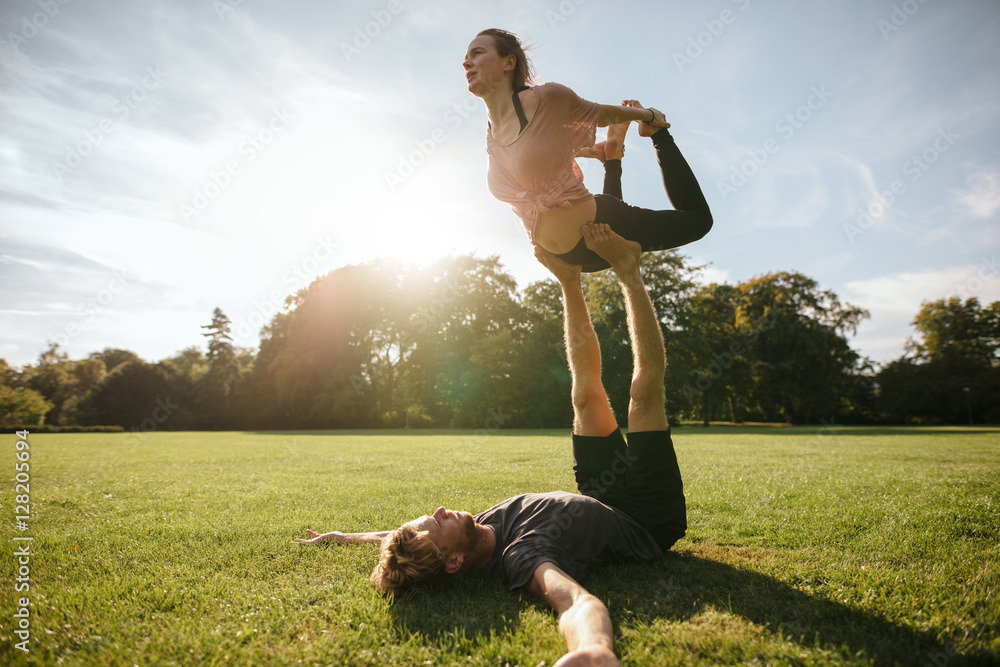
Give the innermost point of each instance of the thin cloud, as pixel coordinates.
(981, 198)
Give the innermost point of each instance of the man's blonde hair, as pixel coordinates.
(407, 556)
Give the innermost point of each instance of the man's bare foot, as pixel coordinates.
(614, 147)
(648, 129)
(562, 270)
(622, 254)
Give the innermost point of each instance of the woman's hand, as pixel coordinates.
(659, 119)
(648, 128)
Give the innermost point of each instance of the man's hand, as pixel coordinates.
(342, 538)
(594, 656)
(335, 536)
(583, 619)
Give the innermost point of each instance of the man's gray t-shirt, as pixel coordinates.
(573, 531)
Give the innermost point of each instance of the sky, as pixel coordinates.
(160, 159)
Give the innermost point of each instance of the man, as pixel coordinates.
(632, 505)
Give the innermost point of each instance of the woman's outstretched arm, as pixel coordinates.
(613, 115)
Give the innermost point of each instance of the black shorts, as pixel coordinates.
(641, 479)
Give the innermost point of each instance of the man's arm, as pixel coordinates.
(343, 538)
(583, 619)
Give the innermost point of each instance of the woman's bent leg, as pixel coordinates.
(653, 230)
(613, 178)
(682, 187)
(662, 230)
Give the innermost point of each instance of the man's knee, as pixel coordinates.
(646, 396)
(647, 384)
(587, 397)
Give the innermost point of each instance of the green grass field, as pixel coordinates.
(859, 546)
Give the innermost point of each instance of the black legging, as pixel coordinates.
(654, 230)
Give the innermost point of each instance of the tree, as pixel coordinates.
(543, 356)
(951, 368)
(710, 358)
(22, 407)
(88, 376)
(9, 377)
(952, 330)
(53, 378)
(136, 392)
(795, 335)
(114, 357)
(189, 364)
(468, 325)
(223, 370)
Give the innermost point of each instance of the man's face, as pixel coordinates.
(451, 531)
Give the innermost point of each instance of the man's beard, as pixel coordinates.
(470, 540)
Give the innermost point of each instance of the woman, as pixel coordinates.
(534, 135)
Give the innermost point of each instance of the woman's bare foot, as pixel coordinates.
(562, 270)
(614, 147)
(599, 152)
(622, 254)
(648, 129)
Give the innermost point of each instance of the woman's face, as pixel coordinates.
(484, 68)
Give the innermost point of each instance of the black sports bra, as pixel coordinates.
(520, 112)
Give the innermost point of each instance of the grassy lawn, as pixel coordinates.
(854, 546)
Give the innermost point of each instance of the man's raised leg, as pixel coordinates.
(592, 414)
(646, 411)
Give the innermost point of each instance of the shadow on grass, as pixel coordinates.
(466, 607)
(778, 431)
(470, 610)
(871, 431)
(833, 430)
(683, 585)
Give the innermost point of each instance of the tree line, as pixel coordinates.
(456, 344)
